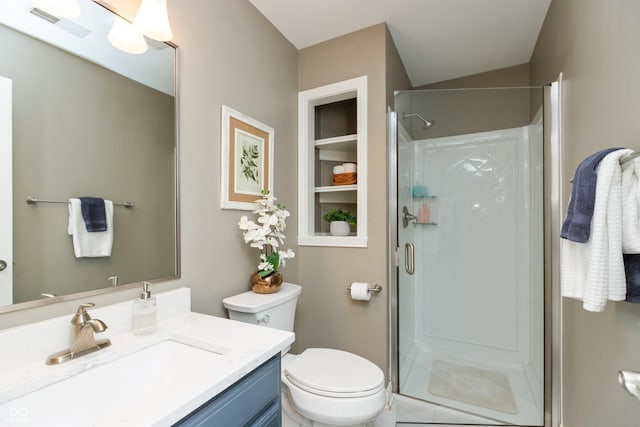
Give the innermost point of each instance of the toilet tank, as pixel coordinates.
(276, 310)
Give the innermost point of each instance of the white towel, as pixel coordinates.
(630, 205)
(86, 244)
(574, 258)
(594, 271)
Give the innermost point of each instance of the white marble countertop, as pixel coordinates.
(29, 389)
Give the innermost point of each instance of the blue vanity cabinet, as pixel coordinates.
(252, 401)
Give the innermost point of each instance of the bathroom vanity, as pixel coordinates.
(194, 370)
(254, 400)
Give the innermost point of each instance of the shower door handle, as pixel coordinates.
(409, 261)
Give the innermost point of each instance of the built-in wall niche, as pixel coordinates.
(336, 119)
(332, 134)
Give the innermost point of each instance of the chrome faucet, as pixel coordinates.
(82, 337)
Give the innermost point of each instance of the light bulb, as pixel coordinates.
(126, 37)
(153, 20)
(59, 8)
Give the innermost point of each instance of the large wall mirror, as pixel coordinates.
(82, 118)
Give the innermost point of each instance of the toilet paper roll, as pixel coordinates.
(349, 167)
(360, 291)
(338, 169)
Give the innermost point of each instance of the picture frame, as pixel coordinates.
(246, 160)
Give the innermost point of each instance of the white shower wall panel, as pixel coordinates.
(475, 263)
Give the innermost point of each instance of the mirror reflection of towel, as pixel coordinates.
(90, 244)
(93, 213)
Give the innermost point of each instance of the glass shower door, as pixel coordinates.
(470, 243)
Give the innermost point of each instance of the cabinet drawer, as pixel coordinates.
(272, 417)
(252, 401)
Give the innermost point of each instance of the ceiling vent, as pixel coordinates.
(44, 15)
(61, 23)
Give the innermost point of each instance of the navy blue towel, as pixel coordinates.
(93, 213)
(577, 225)
(632, 273)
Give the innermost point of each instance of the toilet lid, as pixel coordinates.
(335, 373)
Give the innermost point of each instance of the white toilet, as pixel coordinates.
(321, 386)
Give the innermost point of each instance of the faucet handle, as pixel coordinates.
(81, 316)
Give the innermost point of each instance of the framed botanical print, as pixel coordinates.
(246, 161)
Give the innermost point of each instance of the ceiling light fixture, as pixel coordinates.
(126, 37)
(61, 8)
(153, 20)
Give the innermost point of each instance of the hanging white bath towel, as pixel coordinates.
(594, 271)
(86, 244)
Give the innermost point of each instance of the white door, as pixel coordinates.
(6, 195)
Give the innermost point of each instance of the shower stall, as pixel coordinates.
(468, 307)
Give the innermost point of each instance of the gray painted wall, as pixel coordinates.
(231, 55)
(82, 130)
(595, 45)
(470, 111)
(517, 75)
(326, 315)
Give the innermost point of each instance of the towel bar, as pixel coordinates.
(623, 159)
(32, 201)
(630, 156)
(375, 288)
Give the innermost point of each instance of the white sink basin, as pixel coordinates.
(154, 377)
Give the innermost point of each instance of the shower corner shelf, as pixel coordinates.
(424, 197)
(425, 223)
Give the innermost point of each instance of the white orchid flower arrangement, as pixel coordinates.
(267, 234)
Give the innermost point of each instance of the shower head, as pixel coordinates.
(427, 123)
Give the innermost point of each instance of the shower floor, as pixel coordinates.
(416, 382)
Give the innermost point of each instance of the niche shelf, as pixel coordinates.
(332, 129)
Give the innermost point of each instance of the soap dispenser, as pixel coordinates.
(144, 312)
(424, 214)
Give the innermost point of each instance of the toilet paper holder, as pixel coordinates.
(374, 288)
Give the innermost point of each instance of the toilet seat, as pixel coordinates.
(334, 387)
(334, 373)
